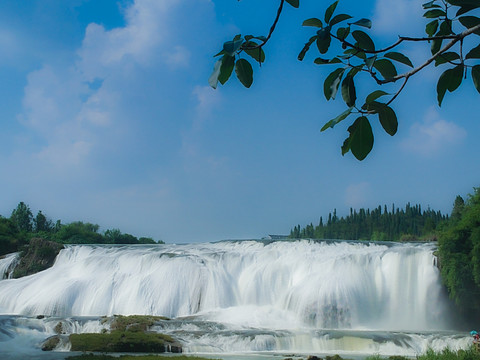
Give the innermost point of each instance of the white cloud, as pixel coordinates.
(433, 135)
(398, 17)
(178, 58)
(66, 105)
(357, 195)
(207, 99)
(138, 42)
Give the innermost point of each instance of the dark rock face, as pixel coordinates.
(39, 255)
(51, 343)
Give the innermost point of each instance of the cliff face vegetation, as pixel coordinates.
(459, 254)
(38, 256)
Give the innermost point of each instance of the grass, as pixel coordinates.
(121, 341)
(446, 354)
(127, 334)
(134, 322)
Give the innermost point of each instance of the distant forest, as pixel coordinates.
(393, 224)
(21, 226)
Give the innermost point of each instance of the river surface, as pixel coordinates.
(240, 298)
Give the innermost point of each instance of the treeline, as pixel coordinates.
(395, 224)
(21, 226)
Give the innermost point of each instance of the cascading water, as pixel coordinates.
(7, 265)
(253, 296)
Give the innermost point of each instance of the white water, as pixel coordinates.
(241, 297)
(7, 264)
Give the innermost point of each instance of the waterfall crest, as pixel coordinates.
(277, 285)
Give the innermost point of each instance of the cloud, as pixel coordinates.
(207, 99)
(70, 107)
(138, 43)
(357, 195)
(192, 150)
(433, 135)
(398, 17)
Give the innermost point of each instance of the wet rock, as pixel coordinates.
(51, 343)
(39, 255)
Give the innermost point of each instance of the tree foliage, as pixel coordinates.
(396, 224)
(22, 217)
(459, 253)
(17, 231)
(343, 42)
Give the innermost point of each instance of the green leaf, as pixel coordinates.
(436, 45)
(450, 80)
(335, 121)
(476, 77)
(431, 28)
(331, 83)
(226, 69)
(435, 13)
(386, 68)
(363, 22)
(370, 61)
(363, 40)
(375, 95)
(320, 61)
(469, 22)
(399, 57)
(348, 91)
(343, 32)
(294, 3)
(430, 5)
(357, 53)
(244, 72)
(466, 8)
(361, 138)
(313, 22)
(339, 18)
(329, 11)
(445, 29)
(219, 53)
(213, 79)
(258, 54)
(446, 57)
(323, 40)
(231, 47)
(463, 2)
(346, 146)
(301, 56)
(386, 115)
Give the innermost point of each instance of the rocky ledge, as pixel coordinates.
(39, 255)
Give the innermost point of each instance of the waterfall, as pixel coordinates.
(7, 265)
(275, 285)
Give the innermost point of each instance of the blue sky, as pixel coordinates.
(107, 117)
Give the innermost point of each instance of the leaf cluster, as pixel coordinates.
(360, 56)
(449, 22)
(232, 51)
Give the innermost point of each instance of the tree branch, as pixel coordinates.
(272, 29)
(398, 42)
(406, 75)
